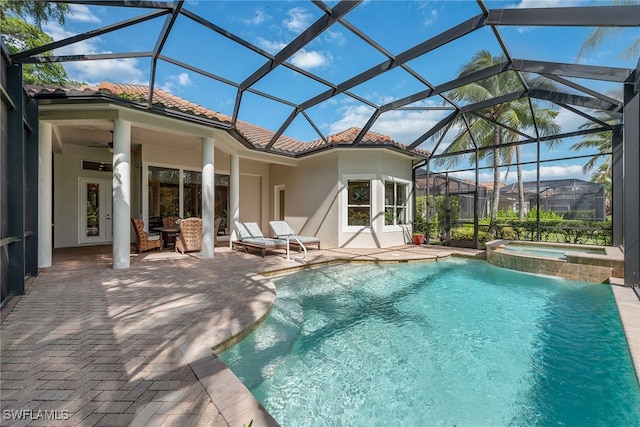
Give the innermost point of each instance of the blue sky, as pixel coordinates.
(335, 56)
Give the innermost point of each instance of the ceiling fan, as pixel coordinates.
(106, 144)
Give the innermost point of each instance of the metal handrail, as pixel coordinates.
(8, 240)
(288, 236)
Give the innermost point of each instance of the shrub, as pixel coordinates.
(466, 233)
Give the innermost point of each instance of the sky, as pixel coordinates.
(337, 55)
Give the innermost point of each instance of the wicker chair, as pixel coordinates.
(170, 221)
(145, 242)
(190, 237)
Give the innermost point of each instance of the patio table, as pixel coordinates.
(166, 233)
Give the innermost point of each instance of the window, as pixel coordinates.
(359, 203)
(163, 192)
(395, 203)
(191, 194)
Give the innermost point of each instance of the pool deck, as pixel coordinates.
(99, 346)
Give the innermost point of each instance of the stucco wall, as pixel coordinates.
(310, 196)
(254, 193)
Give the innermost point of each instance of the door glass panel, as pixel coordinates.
(281, 198)
(93, 209)
(164, 193)
(222, 201)
(192, 194)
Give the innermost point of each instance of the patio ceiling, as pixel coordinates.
(388, 60)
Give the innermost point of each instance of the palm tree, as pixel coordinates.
(600, 34)
(516, 115)
(601, 142)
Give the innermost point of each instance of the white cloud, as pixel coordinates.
(570, 121)
(175, 82)
(299, 19)
(402, 126)
(352, 116)
(527, 4)
(259, 16)
(82, 13)
(310, 59)
(431, 18)
(271, 47)
(115, 70)
(546, 172)
(335, 37)
(183, 79)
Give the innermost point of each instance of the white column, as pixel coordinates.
(45, 192)
(121, 193)
(234, 196)
(208, 198)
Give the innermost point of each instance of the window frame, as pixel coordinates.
(372, 179)
(407, 203)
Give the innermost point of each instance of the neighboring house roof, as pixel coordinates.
(254, 135)
(489, 185)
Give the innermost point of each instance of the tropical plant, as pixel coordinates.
(21, 24)
(600, 34)
(601, 142)
(498, 124)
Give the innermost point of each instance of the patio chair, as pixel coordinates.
(170, 221)
(144, 241)
(250, 237)
(282, 229)
(190, 237)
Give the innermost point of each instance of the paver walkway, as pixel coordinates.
(89, 345)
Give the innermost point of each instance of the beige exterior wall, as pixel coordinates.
(254, 194)
(311, 191)
(315, 197)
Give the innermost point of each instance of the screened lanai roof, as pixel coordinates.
(393, 67)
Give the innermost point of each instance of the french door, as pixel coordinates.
(96, 210)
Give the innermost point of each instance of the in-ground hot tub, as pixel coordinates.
(586, 263)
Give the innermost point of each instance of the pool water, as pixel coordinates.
(457, 342)
(550, 251)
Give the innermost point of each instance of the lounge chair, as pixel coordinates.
(250, 237)
(144, 241)
(281, 229)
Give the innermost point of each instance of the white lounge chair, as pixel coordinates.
(250, 236)
(282, 229)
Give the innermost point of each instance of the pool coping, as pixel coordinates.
(629, 311)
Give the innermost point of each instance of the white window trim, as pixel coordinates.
(397, 227)
(373, 179)
(276, 201)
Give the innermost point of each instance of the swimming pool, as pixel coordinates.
(458, 342)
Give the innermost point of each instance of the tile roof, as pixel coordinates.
(253, 134)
